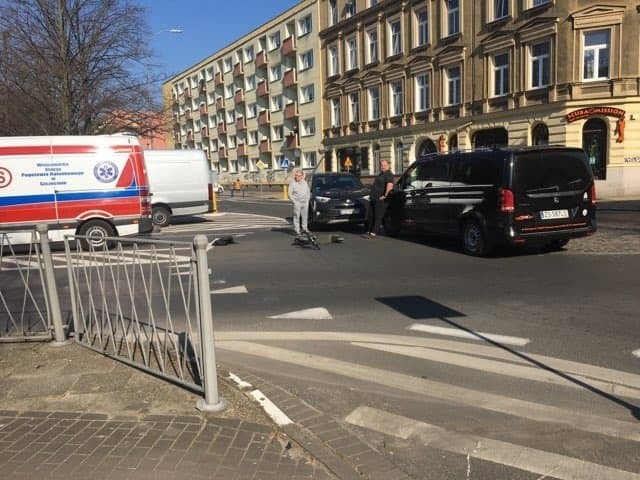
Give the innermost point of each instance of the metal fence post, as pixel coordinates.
(211, 401)
(50, 287)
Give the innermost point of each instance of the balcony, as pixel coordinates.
(241, 124)
(204, 131)
(288, 46)
(239, 96)
(238, 71)
(292, 141)
(291, 111)
(290, 78)
(217, 79)
(222, 128)
(203, 109)
(242, 151)
(261, 59)
(264, 117)
(265, 146)
(222, 152)
(219, 103)
(263, 88)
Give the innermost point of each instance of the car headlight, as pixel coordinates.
(322, 199)
(366, 197)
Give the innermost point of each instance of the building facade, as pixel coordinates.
(254, 106)
(404, 78)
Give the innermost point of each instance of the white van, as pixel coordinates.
(180, 183)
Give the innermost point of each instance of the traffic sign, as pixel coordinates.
(347, 163)
(284, 162)
(261, 164)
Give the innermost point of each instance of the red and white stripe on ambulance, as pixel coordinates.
(67, 181)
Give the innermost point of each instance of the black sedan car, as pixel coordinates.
(337, 198)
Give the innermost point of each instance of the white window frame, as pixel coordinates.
(373, 53)
(373, 95)
(536, 3)
(335, 112)
(453, 77)
(252, 110)
(232, 141)
(354, 107)
(538, 63)
(230, 116)
(248, 54)
(252, 137)
(333, 64)
(500, 75)
(310, 159)
(597, 51)
(305, 25)
(333, 12)
(395, 36)
(305, 60)
(277, 103)
(352, 53)
(422, 27)
(275, 73)
(451, 17)
(274, 41)
(277, 133)
(227, 65)
(308, 127)
(350, 8)
(423, 92)
(396, 94)
(250, 83)
(229, 91)
(307, 93)
(499, 9)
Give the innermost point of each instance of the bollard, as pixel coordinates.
(50, 287)
(211, 401)
(285, 193)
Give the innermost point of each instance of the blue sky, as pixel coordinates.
(209, 25)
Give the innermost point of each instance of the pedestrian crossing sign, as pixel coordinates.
(284, 162)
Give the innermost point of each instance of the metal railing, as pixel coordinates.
(147, 303)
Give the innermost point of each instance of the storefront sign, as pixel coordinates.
(591, 111)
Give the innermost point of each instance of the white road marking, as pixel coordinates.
(238, 289)
(516, 456)
(455, 332)
(440, 390)
(318, 313)
(277, 415)
(567, 366)
(636, 353)
(528, 372)
(241, 384)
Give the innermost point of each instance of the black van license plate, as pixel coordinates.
(553, 214)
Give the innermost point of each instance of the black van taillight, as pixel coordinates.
(592, 194)
(507, 202)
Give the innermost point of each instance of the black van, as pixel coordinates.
(540, 196)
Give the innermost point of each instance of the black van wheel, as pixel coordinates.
(474, 240)
(96, 232)
(160, 216)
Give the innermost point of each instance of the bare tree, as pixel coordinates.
(67, 65)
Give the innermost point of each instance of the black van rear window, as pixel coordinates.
(550, 171)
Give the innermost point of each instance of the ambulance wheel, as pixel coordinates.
(96, 232)
(160, 216)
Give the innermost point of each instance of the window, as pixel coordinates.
(335, 112)
(304, 26)
(422, 28)
(373, 3)
(248, 54)
(350, 8)
(422, 92)
(333, 12)
(452, 8)
(500, 9)
(540, 135)
(306, 60)
(308, 127)
(307, 93)
(310, 159)
(540, 65)
(252, 139)
(228, 64)
(453, 86)
(250, 83)
(232, 141)
(352, 53)
(374, 102)
(395, 37)
(334, 68)
(596, 55)
(231, 116)
(396, 98)
(536, 3)
(277, 132)
(276, 103)
(275, 73)
(252, 110)
(372, 41)
(209, 74)
(500, 74)
(228, 91)
(274, 41)
(354, 107)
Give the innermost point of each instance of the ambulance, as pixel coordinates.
(94, 186)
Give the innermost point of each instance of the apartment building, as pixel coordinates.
(404, 78)
(254, 107)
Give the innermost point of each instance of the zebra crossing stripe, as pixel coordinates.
(496, 451)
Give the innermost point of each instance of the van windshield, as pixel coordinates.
(331, 182)
(550, 171)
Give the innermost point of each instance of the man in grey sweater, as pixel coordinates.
(299, 194)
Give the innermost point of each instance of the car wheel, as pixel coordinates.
(160, 216)
(474, 239)
(96, 232)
